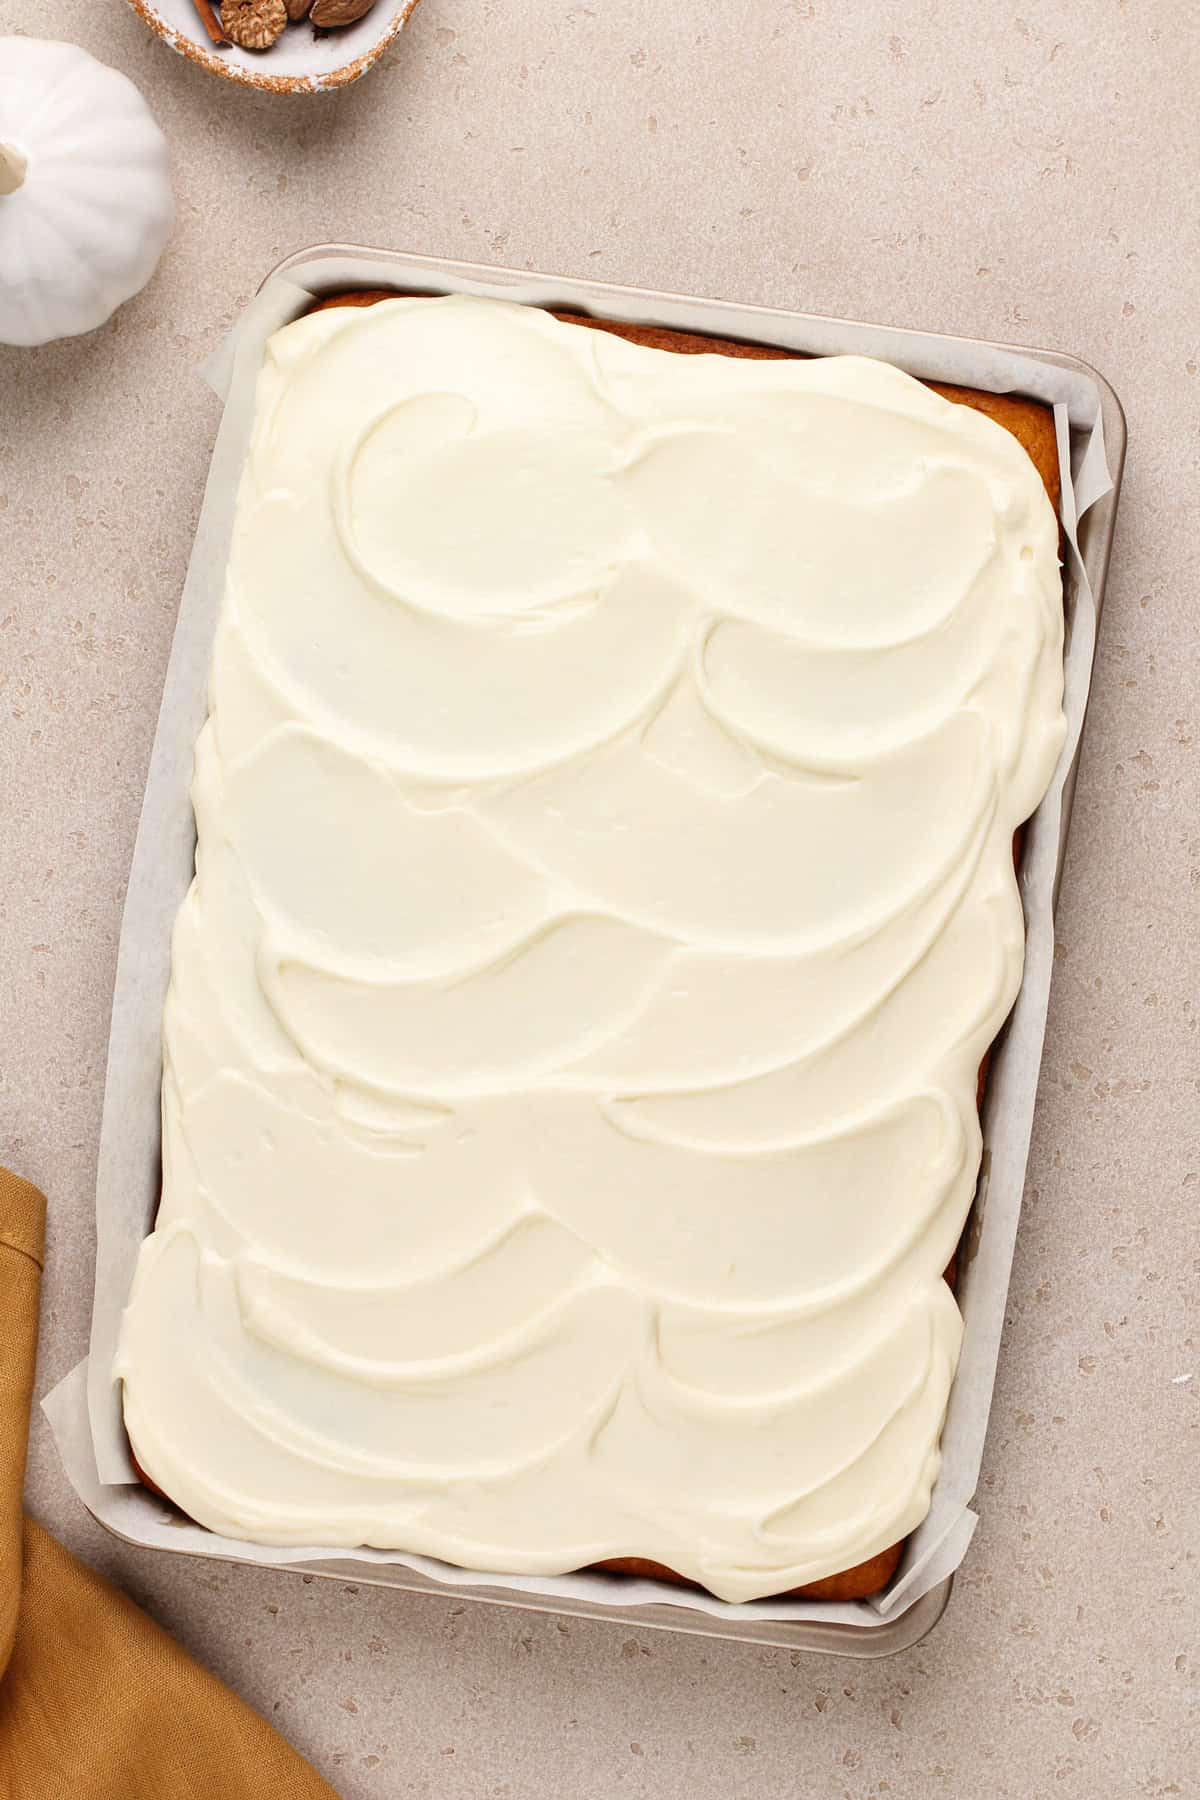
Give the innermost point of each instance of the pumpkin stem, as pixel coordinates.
(13, 164)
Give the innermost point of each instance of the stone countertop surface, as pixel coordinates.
(1021, 171)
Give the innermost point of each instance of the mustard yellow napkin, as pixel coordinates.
(96, 1702)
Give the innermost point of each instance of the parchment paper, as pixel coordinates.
(85, 1410)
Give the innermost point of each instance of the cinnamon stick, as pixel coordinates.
(210, 21)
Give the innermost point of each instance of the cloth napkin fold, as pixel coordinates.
(96, 1701)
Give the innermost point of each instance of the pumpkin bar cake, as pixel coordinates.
(604, 902)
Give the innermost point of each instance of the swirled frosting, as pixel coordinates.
(604, 897)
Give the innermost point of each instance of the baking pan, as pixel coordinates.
(85, 1409)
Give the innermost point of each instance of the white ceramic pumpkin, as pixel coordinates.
(85, 191)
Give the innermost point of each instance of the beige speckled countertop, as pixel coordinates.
(1023, 171)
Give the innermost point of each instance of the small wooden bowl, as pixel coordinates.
(304, 61)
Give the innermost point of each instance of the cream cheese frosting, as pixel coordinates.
(604, 897)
